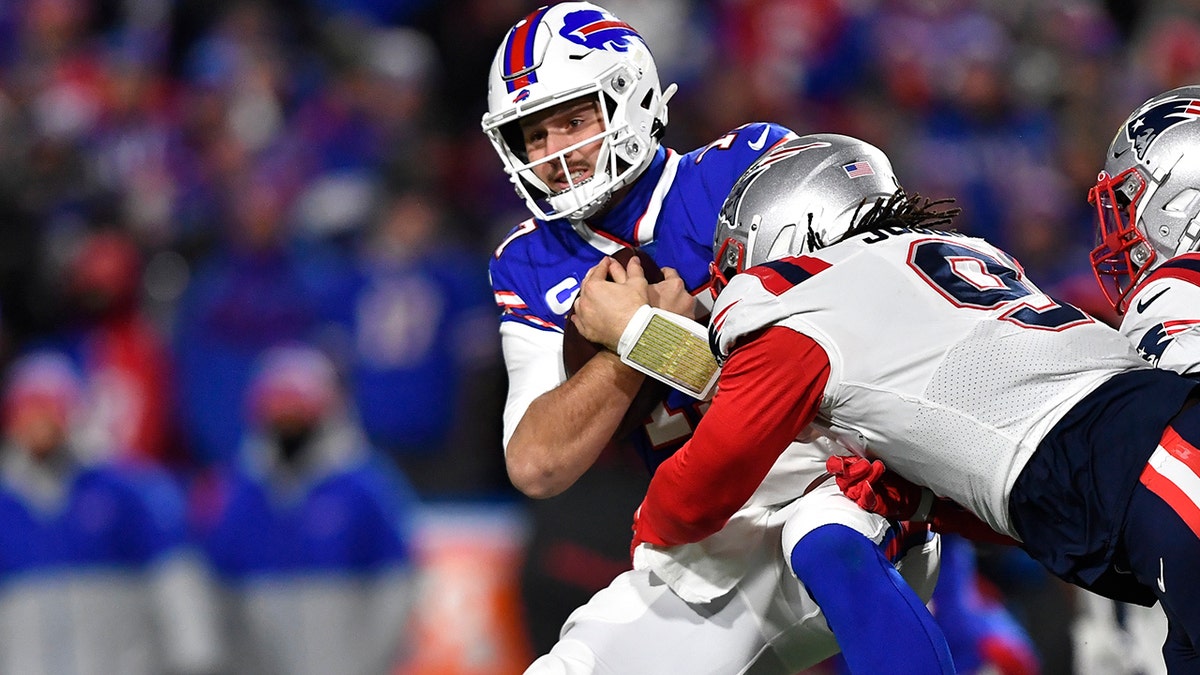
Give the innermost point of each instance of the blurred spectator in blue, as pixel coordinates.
(245, 77)
(261, 289)
(425, 357)
(799, 52)
(95, 572)
(369, 126)
(384, 12)
(116, 346)
(333, 126)
(309, 531)
(970, 132)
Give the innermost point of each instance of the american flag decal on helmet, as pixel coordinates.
(519, 69)
(859, 169)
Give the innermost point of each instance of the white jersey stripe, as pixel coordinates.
(646, 226)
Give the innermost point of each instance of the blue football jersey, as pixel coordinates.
(670, 212)
(114, 517)
(353, 521)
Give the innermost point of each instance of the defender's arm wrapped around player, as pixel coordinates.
(870, 485)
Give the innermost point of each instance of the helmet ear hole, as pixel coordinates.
(1182, 202)
(647, 100)
(782, 246)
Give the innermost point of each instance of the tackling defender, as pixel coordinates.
(1039, 420)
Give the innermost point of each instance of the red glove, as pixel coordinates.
(870, 485)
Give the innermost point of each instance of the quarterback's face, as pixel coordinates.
(554, 130)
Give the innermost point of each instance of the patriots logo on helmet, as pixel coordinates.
(1143, 129)
(783, 152)
(594, 30)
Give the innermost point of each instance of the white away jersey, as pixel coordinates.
(1163, 317)
(946, 362)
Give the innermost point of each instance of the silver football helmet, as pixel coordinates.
(801, 196)
(565, 52)
(1147, 199)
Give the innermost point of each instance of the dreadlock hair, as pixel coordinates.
(904, 212)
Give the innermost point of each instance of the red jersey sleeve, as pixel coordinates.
(770, 389)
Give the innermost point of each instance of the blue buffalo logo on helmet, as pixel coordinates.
(1143, 129)
(594, 30)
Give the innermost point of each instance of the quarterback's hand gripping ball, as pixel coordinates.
(578, 350)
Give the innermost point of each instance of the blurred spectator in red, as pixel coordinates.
(96, 575)
(1167, 51)
(117, 347)
(308, 530)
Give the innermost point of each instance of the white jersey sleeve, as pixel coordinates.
(1163, 323)
(534, 361)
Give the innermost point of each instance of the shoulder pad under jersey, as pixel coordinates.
(752, 300)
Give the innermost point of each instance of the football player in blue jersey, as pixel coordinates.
(576, 113)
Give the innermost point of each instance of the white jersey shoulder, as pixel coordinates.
(1163, 323)
(944, 358)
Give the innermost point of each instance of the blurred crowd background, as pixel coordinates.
(252, 393)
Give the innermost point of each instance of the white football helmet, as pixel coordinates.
(1147, 199)
(801, 196)
(564, 52)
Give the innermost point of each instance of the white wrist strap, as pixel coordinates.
(670, 348)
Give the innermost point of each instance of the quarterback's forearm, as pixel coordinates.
(564, 430)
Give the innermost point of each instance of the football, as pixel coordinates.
(577, 351)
